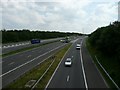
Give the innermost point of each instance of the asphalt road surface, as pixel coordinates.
(16, 65)
(69, 77)
(15, 46)
(82, 74)
(93, 76)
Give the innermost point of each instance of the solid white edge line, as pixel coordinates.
(97, 68)
(31, 60)
(57, 68)
(83, 69)
(35, 65)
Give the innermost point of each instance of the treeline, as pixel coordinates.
(26, 35)
(107, 40)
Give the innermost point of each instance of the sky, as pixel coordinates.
(82, 16)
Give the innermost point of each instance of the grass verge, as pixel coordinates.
(48, 75)
(38, 71)
(112, 67)
(25, 49)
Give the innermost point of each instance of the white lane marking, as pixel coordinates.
(39, 63)
(22, 44)
(29, 56)
(68, 78)
(57, 67)
(11, 63)
(16, 45)
(86, 86)
(30, 61)
(8, 46)
(4, 46)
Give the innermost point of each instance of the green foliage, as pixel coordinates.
(105, 44)
(26, 35)
(107, 39)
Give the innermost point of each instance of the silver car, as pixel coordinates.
(78, 46)
(68, 62)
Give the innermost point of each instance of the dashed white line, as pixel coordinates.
(16, 45)
(30, 61)
(68, 78)
(8, 46)
(11, 63)
(38, 63)
(29, 56)
(57, 68)
(4, 47)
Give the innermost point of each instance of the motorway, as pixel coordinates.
(82, 74)
(15, 46)
(15, 65)
(69, 77)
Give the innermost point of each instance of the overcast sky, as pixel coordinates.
(83, 16)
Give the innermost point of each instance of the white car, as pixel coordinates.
(78, 46)
(68, 62)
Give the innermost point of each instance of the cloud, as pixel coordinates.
(63, 15)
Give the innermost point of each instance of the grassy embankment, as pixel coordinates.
(110, 64)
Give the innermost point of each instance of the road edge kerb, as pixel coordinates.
(106, 73)
(30, 61)
(83, 68)
(56, 69)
